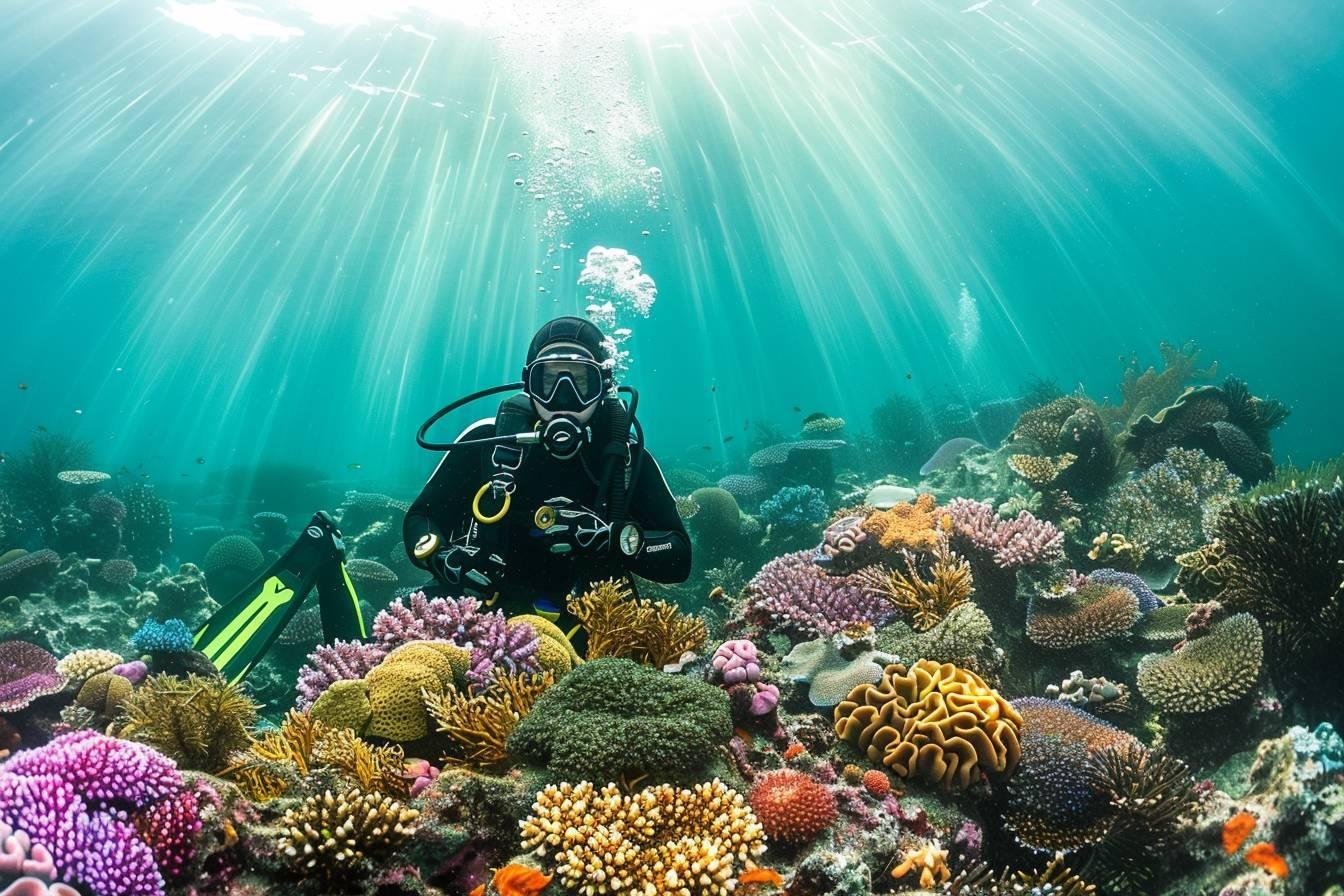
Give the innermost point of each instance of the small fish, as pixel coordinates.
(746, 425)
(200, 460)
(354, 466)
(23, 387)
(797, 410)
(41, 428)
(714, 387)
(79, 412)
(909, 375)
(706, 447)
(727, 439)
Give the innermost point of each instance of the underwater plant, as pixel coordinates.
(618, 624)
(199, 722)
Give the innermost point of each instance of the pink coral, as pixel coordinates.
(338, 661)
(736, 662)
(792, 592)
(1021, 541)
(30, 865)
(171, 828)
(26, 673)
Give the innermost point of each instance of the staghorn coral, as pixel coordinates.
(1208, 672)
(925, 597)
(1092, 613)
(331, 835)
(792, 807)
(794, 594)
(338, 661)
(480, 725)
(914, 526)
(659, 841)
(612, 718)
(199, 722)
(1013, 543)
(1283, 563)
(937, 722)
(654, 633)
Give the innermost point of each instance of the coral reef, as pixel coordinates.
(794, 594)
(1208, 672)
(651, 632)
(792, 807)
(331, 836)
(200, 723)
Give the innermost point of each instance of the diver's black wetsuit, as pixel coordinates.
(536, 579)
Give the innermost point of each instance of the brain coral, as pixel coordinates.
(1054, 802)
(792, 807)
(612, 717)
(660, 840)
(1093, 613)
(230, 564)
(1209, 672)
(938, 722)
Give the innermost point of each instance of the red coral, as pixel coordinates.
(876, 783)
(170, 828)
(792, 807)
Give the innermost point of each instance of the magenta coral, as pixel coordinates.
(170, 828)
(1013, 543)
(794, 593)
(338, 661)
(736, 662)
(497, 644)
(26, 673)
(107, 772)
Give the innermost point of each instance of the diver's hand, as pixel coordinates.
(475, 570)
(570, 528)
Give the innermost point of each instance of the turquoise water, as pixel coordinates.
(288, 232)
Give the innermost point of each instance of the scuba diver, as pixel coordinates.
(554, 492)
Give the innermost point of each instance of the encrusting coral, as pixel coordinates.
(655, 633)
(931, 721)
(658, 841)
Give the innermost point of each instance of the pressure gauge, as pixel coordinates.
(630, 539)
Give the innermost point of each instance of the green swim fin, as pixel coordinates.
(242, 630)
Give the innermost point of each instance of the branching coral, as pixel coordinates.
(660, 841)
(1208, 672)
(936, 722)
(924, 597)
(929, 862)
(612, 718)
(333, 835)
(480, 724)
(654, 633)
(1147, 391)
(794, 594)
(199, 722)
(1013, 543)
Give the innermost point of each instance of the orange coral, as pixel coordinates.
(1236, 830)
(515, 880)
(793, 751)
(912, 526)
(929, 861)
(1265, 856)
(760, 876)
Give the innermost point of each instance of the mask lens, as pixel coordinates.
(545, 377)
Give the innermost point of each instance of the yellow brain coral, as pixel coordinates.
(911, 526)
(104, 693)
(555, 653)
(934, 721)
(660, 840)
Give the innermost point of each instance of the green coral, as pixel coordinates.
(198, 722)
(962, 638)
(830, 673)
(613, 718)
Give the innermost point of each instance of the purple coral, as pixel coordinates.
(496, 644)
(736, 662)
(1148, 601)
(338, 661)
(171, 828)
(794, 593)
(418, 618)
(75, 797)
(26, 673)
(1021, 541)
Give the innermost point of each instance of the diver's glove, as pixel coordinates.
(477, 571)
(570, 528)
